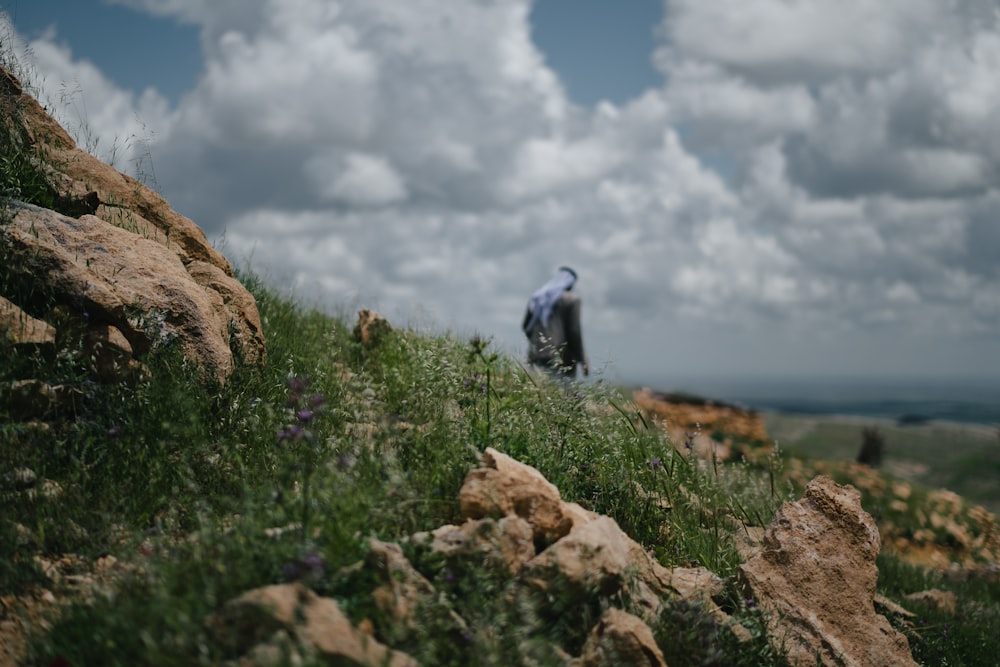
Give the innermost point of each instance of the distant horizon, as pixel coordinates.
(970, 399)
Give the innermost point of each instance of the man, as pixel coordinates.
(552, 325)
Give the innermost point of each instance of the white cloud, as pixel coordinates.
(358, 179)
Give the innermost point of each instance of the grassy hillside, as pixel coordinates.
(964, 458)
(200, 493)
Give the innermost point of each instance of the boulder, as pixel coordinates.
(109, 225)
(502, 487)
(289, 622)
(118, 278)
(371, 328)
(623, 640)
(506, 543)
(814, 578)
(22, 329)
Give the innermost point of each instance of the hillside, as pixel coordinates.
(201, 471)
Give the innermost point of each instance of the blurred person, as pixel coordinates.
(552, 325)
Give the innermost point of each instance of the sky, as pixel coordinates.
(746, 188)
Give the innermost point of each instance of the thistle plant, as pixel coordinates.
(480, 382)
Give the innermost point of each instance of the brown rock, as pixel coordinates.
(23, 329)
(278, 620)
(371, 328)
(945, 601)
(82, 185)
(122, 280)
(503, 487)
(623, 640)
(507, 542)
(95, 187)
(598, 558)
(815, 579)
(401, 589)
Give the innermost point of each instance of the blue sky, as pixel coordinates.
(600, 48)
(747, 188)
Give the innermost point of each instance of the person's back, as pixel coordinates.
(552, 325)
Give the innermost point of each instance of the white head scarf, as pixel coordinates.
(544, 299)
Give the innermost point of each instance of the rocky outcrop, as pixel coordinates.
(815, 576)
(707, 428)
(546, 551)
(111, 257)
(117, 279)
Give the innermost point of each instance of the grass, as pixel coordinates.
(287, 470)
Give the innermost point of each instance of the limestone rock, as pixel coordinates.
(505, 543)
(945, 601)
(371, 328)
(815, 577)
(290, 621)
(623, 640)
(502, 486)
(85, 191)
(122, 280)
(23, 329)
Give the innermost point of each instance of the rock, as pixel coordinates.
(945, 601)
(290, 620)
(502, 487)
(623, 640)
(110, 355)
(100, 198)
(122, 280)
(815, 577)
(506, 543)
(371, 328)
(33, 399)
(23, 329)
(598, 558)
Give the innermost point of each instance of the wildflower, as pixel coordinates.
(304, 415)
(750, 602)
(114, 431)
(656, 463)
(317, 401)
(314, 562)
(449, 577)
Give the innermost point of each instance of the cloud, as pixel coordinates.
(810, 178)
(357, 179)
